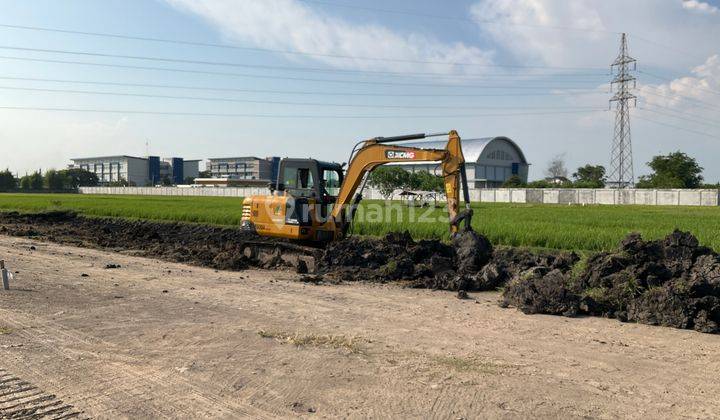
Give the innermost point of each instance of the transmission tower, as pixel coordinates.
(621, 162)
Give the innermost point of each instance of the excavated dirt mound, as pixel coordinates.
(672, 282)
(469, 263)
(209, 246)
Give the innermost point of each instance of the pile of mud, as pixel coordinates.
(671, 282)
(203, 245)
(469, 263)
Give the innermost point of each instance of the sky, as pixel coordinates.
(310, 78)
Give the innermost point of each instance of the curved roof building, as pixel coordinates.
(489, 161)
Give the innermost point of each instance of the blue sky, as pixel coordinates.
(533, 70)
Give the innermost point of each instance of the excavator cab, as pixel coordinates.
(309, 178)
(302, 200)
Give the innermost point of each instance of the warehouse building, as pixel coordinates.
(489, 161)
(247, 167)
(139, 171)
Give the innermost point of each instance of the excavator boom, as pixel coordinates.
(380, 151)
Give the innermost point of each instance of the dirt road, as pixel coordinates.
(152, 339)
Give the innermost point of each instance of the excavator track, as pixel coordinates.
(281, 253)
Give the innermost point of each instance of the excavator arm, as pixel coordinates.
(379, 151)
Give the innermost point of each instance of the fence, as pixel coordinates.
(490, 195)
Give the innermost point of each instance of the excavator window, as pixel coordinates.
(298, 181)
(330, 182)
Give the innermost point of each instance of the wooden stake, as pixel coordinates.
(5, 279)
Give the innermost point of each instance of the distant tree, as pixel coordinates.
(189, 180)
(425, 181)
(556, 167)
(55, 180)
(675, 170)
(77, 177)
(590, 176)
(541, 183)
(660, 181)
(8, 182)
(205, 174)
(24, 183)
(166, 181)
(513, 182)
(35, 181)
(119, 183)
(388, 179)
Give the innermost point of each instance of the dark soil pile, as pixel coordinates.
(672, 282)
(208, 246)
(469, 263)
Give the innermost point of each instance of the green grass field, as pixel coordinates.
(546, 226)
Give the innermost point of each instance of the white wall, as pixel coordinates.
(489, 195)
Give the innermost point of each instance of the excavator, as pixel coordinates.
(302, 210)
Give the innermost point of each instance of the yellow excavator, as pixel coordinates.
(302, 209)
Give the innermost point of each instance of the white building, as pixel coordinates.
(489, 161)
(139, 171)
(246, 167)
(116, 168)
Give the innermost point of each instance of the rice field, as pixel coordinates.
(548, 226)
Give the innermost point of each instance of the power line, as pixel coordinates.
(271, 50)
(678, 96)
(211, 99)
(683, 81)
(455, 18)
(672, 115)
(291, 92)
(673, 110)
(199, 114)
(232, 64)
(259, 76)
(669, 48)
(677, 127)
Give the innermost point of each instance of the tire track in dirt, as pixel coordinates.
(265, 394)
(20, 399)
(119, 374)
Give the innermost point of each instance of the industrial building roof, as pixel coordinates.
(109, 157)
(128, 157)
(236, 158)
(472, 148)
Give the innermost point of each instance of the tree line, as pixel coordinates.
(674, 170)
(51, 180)
(387, 179)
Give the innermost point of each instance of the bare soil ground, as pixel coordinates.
(153, 339)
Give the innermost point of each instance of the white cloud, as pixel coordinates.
(703, 86)
(520, 28)
(699, 6)
(290, 25)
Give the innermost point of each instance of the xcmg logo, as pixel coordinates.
(399, 154)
